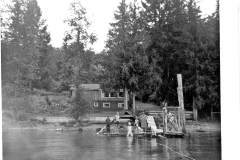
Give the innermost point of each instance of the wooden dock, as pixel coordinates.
(169, 134)
(122, 134)
(148, 134)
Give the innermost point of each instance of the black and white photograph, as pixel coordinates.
(113, 80)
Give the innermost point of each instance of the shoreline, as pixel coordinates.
(190, 128)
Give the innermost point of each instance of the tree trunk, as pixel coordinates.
(125, 98)
(211, 113)
(195, 111)
(31, 86)
(74, 92)
(134, 105)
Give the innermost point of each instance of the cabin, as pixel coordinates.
(104, 101)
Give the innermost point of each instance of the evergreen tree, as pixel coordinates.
(182, 42)
(44, 74)
(31, 40)
(129, 58)
(165, 22)
(21, 49)
(77, 63)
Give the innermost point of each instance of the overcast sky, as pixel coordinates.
(100, 13)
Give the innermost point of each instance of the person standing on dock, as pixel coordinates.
(144, 122)
(136, 123)
(108, 123)
(129, 133)
(117, 117)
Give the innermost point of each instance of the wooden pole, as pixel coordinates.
(195, 114)
(74, 92)
(180, 99)
(125, 98)
(179, 119)
(165, 119)
(134, 105)
(211, 113)
(164, 124)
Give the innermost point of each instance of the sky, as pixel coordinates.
(99, 12)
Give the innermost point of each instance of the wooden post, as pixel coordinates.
(125, 98)
(134, 105)
(164, 119)
(179, 119)
(180, 99)
(195, 114)
(211, 113)
(163, 122)
(74, 91)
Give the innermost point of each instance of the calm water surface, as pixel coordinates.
(72, 145)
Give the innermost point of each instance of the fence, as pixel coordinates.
(188, 114)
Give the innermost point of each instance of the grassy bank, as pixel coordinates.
(57, 106)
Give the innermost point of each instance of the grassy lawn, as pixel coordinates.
(147, 106)
(56, 109)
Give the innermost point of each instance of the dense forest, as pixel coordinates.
(148, 44)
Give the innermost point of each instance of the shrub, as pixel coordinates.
(41, 92)
(63, 86)
(8, 90)
(22, 117)
(80, 105)
(47, 100)
(19, 103)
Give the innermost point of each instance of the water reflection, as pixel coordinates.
(24, 145)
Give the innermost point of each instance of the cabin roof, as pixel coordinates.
(127, 114)
(90, 86)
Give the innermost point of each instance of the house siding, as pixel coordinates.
(97, 96)
(113, 105)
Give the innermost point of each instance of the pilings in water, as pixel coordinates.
(173, 118)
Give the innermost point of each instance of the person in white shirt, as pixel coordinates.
(129, 128)
(117, 121)
(136, 123)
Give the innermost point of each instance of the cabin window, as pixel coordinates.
(113, 94)
(120, 105)
(95, 104)
(106, 94)
(106, 105)
(120, 94)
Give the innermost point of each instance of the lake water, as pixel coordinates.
(73, 145)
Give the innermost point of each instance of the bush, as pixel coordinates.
(47, 100)
(22, 117)
(41, 92)
(63, 86)
(80, 106)
(19, 103)
(72, 122)
(8, 90)
(63, 123)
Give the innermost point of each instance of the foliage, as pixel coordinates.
(80, 105)
(148, 44)
(21, 43)
(127, 54)
(17, 104)
(41, 92)
(78, 65)
(22, 117)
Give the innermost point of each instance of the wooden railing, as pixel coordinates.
(188, 114)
